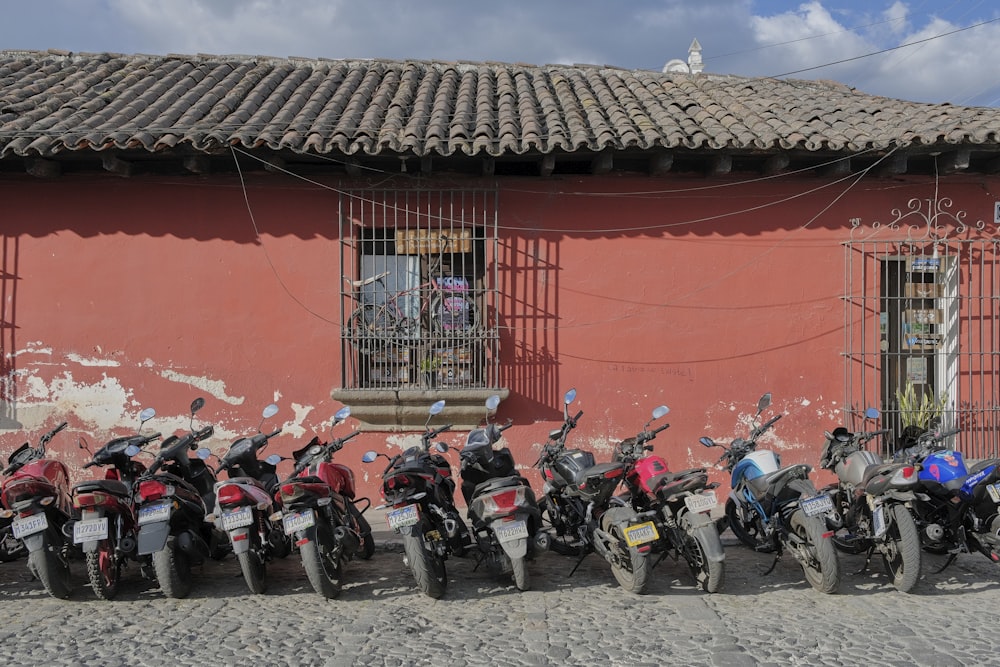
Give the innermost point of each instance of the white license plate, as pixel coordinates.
(298, 521)
(994, 491)
(878, 521)
(87, 531)
(154, 513)
(701, 502)
(510, 531)
(234, 519)
(29, 525)
(640, 534)
(403, 517)
(816, 505)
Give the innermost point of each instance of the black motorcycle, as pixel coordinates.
(501, 505)
(172, 498)
(418, 487)
(871, 499)
(577, 505)
(244, 504)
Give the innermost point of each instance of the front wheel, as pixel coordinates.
(521, 577)
(710, 575)
(173, 570)
(51, 570)
(562, 539)
(104, 570)
(365, 533)
(901, 551)
(253, 566)
(427, 566)
(743, 525)
(323, 567)
(816, 553)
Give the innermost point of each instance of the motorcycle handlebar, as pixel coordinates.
(662, 428)
(204, 433)
(510, 422)
(271, 435)
(150, 438)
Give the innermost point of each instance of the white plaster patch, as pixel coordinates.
(216, 388)
(76, 358)
(294, 426)
(805, 402)
(102, 404)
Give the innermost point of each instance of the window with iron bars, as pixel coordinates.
(419, 276)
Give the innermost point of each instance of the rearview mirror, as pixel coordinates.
(441, 447)
(660, 411)
(273, 459)
(570, 396)
(872, 413)
(707, 441)
(131, 451)
(203, 453)
(369, 456)
(492, 402)
(147, 414)
(270, 411)
(764, 401)
(437, 407)
(197, 404)
(342, 414)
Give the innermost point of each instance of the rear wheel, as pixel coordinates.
(816, 553)
(427, 566)
(521, 577)
(173, 570)
(51, 570)
(253, 566)
(323, 568)
(632, 569)
(902, 548)
(709, 575)
(104, 570)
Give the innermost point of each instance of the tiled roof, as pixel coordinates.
(51, 102)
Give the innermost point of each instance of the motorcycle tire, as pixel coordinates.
(710, 575)
(745, 531)
(824, 573)
(634, 576)
(559, 542)
(253, 566)
(367, 549)
(427, 566)
(11, 548)
(902, 562)
(51, 571)
(173, 570)
(521, 578)
(323, 569)
(104, 570)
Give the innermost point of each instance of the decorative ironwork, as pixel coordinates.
(935, 222)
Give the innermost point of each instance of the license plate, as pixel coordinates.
(234, 519)
(994, 491)
(878, 521)
(510, 531)
(816, 505)
(29, 525)
(298, 521)
(701, 502)
(154, 513)
(86, 531)
(640, 534)
(403, 517)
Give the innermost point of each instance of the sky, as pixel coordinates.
(921, 50)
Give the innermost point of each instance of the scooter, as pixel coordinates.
(107, 527)
(320, 511)
(501, 505)
(172, 497)
(244, 504)
(36, 496)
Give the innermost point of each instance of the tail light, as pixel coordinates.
(904, 475)
(230, 494)
(504, 500)
(95, 499)
(151, 489)
(289, 489)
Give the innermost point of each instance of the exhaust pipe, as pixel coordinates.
(934, 532)
(543, 540)
(347, 539)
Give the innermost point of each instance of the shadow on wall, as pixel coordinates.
(8, 303)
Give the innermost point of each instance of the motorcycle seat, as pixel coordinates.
(769, 482)
(601, 469)
(247, 480)
(687, 480)
(497, 483)
(112, 486)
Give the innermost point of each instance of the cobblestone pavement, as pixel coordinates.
(380, 618)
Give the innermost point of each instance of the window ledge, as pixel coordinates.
(406, 409)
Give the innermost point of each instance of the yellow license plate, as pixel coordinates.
(641, 533)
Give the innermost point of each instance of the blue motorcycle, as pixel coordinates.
(956, 506)
(774, 509)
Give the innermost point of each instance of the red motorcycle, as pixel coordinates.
(107, 529)
(320, 512)
(36, 495)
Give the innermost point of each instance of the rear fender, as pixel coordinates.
(701, 526)
(153, 537)
(516, 548)
(240, 539)
(36, 542)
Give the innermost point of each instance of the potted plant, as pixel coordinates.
(918, 412)
(429, 367)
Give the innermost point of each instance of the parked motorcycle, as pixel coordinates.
(172, 498)
(679, 505)
(418, 486)
(872, 500)
(774, 509)
(320, 510)
(244, 504)
(577, 504)
(956, 506)
(107, 527)
(36, 495)
(501, 505)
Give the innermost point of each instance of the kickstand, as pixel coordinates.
(582, 556)
(774, 564)
(868, 560)
(951, 559)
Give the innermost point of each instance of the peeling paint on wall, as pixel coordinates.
(217, 388)
(101, 405)
(91, 362)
